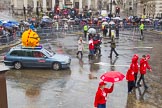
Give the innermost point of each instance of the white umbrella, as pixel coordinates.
(105, 23)
(45, 17)
(26, 23)
(104, 19)
(147, 20)
(142, 19)
(64, 19)
(71, 21)
(92, 31)
(155, 19)
(100, 17)
(130, 17)
(111, 22)
(4, 22)
(117, 18)
(160, 20)
(95, 18)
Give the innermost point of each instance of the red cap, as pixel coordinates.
(102, 83)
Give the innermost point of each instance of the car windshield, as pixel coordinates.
(50, 54)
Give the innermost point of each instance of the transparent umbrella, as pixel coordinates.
(105, 23)
(92, 31)
(111, 22)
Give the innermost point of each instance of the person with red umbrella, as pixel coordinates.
(134, 66)
(101, 95)
(143, 66)
(130, 78)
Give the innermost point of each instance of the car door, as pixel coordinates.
(40, 59)
(29, 60)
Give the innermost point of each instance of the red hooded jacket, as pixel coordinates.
(134, 65)
(130, 75)
(144, 65)
(92, 43)
(101, 95)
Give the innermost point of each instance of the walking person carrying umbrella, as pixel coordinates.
(102, 92)
(101, 95)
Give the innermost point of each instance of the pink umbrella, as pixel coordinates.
(112, 76)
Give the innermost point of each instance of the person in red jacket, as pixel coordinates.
(92, 44)
(91, 48)
(134, 66)
(143, 66)
(130, 78)
(101, 95)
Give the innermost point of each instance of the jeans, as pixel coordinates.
(101, 106)
(91, 52)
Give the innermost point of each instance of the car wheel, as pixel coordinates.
(17, 65)
(56, 66)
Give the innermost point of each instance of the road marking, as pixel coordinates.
(143, 47)
(108, 64)
(138, 48)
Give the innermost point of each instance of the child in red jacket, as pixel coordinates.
(134, 66)
(130, 78)
(101, 95)
(143, 67)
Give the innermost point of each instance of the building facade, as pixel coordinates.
(4, 4)
(143, 8)
(80, 4)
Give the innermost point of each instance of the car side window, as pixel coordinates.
(38, 54)
(28, 54)
(17, 53)
(14, 53)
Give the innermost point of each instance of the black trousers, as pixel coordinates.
(113, 50)
(135, 76)
(85, 34)
(143, 79)
(81, 53)
(142, 32)
(130, 85)
(141, 36)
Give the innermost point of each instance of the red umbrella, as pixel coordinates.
(112, 76)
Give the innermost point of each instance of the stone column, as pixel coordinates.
(3, 90)
(63, 3)
(89, 4)
(44, 5)
(80, 5)
(72, 1)
(15, 3)
(96, 5)
(25, 4)
(53, 4)
(35, 4)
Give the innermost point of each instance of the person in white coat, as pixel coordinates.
(80, 46)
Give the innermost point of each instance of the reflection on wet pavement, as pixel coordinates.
(76, 87)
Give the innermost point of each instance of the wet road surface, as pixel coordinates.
(76, 87)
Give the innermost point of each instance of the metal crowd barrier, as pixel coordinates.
(6, 39)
